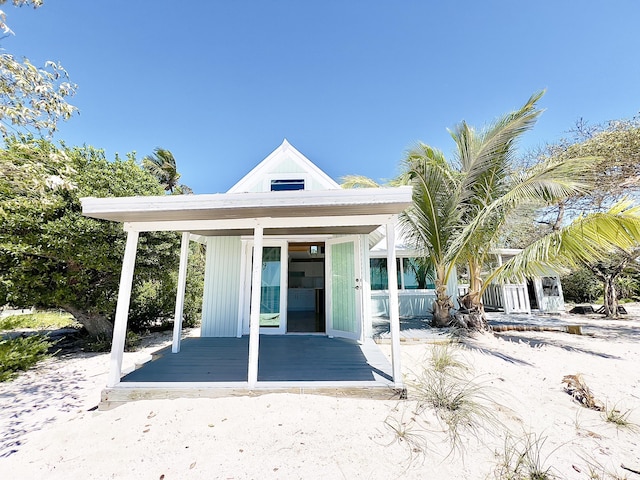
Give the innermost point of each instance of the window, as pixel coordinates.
(412, 274)
(284, 185)
(379, 274)
(550, 287)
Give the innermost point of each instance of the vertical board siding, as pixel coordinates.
(342, 286)
(221, 287)
(288, 166)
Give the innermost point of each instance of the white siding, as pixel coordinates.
(221, 287)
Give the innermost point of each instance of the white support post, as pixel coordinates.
(122, 309)
(182, 282)
(254, 321)
(394, 308)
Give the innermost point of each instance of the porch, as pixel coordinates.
(216, 366)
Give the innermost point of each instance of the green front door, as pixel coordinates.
(344, 287)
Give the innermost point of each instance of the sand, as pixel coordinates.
(50, 430)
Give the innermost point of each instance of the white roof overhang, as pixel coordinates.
(279, 213)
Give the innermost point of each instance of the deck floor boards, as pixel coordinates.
(282, 358)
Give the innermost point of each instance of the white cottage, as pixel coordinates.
(291, 230)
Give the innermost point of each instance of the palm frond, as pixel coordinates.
(358, 181)
(588, 238)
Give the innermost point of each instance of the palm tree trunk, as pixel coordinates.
(472, 315)
(610, 297)
(443, 304)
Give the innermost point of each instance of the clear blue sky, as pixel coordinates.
(351, 84)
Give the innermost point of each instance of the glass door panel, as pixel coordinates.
(270, 315)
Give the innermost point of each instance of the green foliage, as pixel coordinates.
(522, 459)
(195, 286)
(37, 321)
(31, 97)
(581, 286)
(162, 165)
(50, 254)
(460, 402)
(619, 418)
(20, 354)
(102, 343)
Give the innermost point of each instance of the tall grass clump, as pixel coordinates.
(20, 354)
(461, 403)
(522, 459)
(619, 417)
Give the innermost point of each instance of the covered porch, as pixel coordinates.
(216, 366)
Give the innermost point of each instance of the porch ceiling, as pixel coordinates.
(238, 213)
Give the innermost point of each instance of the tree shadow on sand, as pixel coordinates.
(37, 398)
(534, 342)
(470, 344)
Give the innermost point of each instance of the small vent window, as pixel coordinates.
(283, 185)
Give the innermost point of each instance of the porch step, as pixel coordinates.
(116, 396)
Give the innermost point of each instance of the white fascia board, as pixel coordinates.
(190, 204)
(264, 222)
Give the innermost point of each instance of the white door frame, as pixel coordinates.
(357, 288)
(284, 287)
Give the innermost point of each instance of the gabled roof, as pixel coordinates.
(285, 153)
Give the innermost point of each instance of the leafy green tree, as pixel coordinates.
(53, 256)
(614, 153)
(593, 240)
(31, 97)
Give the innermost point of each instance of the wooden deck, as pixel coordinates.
(214, 367)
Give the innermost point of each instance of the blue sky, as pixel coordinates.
(351, 84)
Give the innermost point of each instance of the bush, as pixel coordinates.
(581, 286)
(102, 343)
(20, 354)
(152, 302)
(38, 320)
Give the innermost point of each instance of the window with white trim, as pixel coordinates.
(412, 274)
(287, 184)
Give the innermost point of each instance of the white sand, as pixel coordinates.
(48, 432)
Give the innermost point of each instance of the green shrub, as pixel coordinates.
(20, 354)
(102, 343)
(38, 320)
(152, 302)
(581, 286)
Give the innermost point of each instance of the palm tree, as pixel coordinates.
(459, 210)
(162, 165)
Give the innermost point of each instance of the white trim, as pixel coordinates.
(266, 222)
(235, 205)
(394, 305)
(122, 309)
(245, 282)
(245, 292)
(258, 386)
(254, 323)
(268, 178)
(182, 282)
(285, 150)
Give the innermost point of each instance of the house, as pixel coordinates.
(541, 292)
(290, 229)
